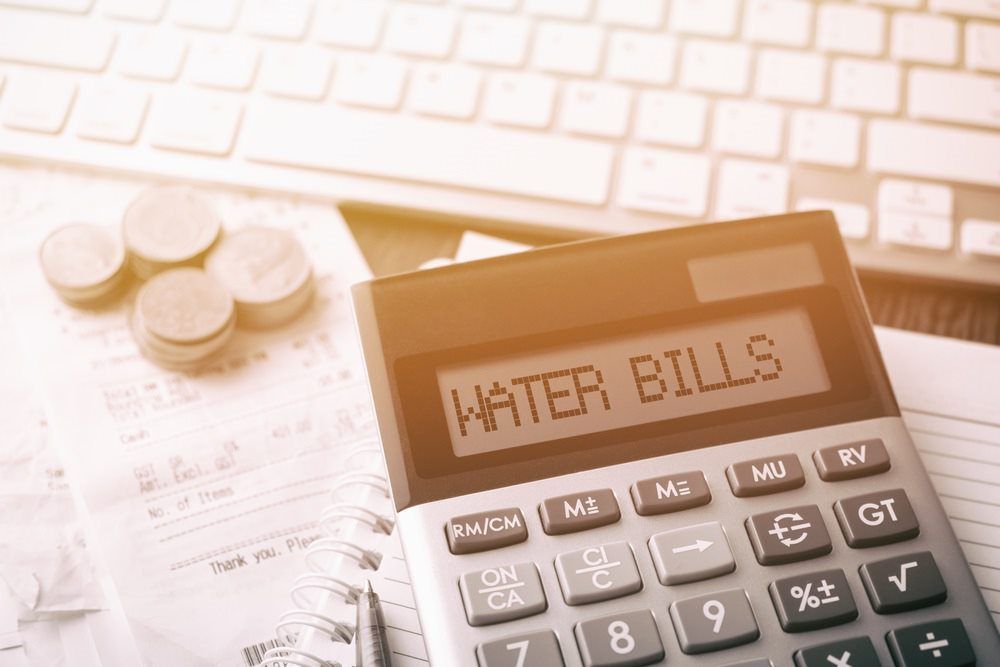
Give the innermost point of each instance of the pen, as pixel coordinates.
(370, 639)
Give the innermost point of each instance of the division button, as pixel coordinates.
(902, 583)
(629, 638)
(938, 644)
(671, 493)
(877, 518)
(770, 474)
(788, 535)
(853, 652)
(857, 459)
(534, 649)
(597, 573)
(486, 530)
(813, 601)
(502, 593)
(579, 511)
(715, 621)
(691, 553)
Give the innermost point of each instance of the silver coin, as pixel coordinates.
(179, 357)
(82, 261)
(168, 225)
(183, 306)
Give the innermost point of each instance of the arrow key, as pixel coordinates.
(691, 553)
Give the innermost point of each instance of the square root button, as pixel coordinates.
(502, 593)
(579, 511)
(691, 553)
(873, 519)
(788, 535)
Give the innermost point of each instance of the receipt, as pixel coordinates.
(203, 489)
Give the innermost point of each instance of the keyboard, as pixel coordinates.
(581, 117)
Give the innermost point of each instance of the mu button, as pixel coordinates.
(877, 518)
(767, 475)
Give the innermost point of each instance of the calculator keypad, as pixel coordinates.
(935, 644)
(534, 649)
(671, 493)
(813, 601)
(902, 583)
(501, 594)
(874, 519)
(579, 511)
(851, 461)
(597, 573)
(691, 553)
(853, 652)
(714, 621)
(630, 638)
(767, 475)
(788, 535)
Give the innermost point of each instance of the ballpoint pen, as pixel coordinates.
(370, 639)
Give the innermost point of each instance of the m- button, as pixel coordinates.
(878, 518)
(850, 461)
(579, 511)
(486, 530)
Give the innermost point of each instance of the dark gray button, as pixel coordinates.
(813, 601)
(857, 459)
(935, 644)
(671, 493)
(753, 662)
(788, 535)
(579, 511)
(715, 621)
(486, 530)
(902, 583)
(770, 474)
(597, 573)
(629, 638)
(502, 593)
(534, 649)
(853, 652)
(691, 553)
(877, 518)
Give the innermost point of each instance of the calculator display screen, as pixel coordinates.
(644, 377)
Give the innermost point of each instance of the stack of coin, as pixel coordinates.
(169, 226)
(266, 271)
(182, 317)
(84, 263)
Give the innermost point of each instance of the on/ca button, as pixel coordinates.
(482, 531)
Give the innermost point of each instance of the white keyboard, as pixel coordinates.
(585, 116)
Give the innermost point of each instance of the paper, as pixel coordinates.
(203, 489)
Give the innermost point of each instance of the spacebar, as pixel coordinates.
(431, 151)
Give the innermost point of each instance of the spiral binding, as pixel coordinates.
(309, 589)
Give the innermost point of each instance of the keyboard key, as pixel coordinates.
(938, 644)
(535, 649)
(110, 112)
(986, 9)
(982, 46)
(298, 72)
(596, 109)
(935, 152)
(854, 220)
(369, 80)
(924, 38)
(715, 67)
(813, 601)
(628, 638)
(851, 461)
(853, 652)
(766, 475)
(670, 493)
(662, 181)
(714, 621)
(874, 519)
(597, 573)
(495, 5)
(566, 9)
(779, 22)
(218, 15)
(55, 41)
(915, 214)
(355, 24)
(790, 76)
(981, 237)
(847, 28)
(691, 553)
(147, 11)
(788, 535)
(672, 118)
(488, 39)
(151, 54)
(902, 583)
(749, 189)
(748, 128)
(37, 102)
(420, 30)
(639, 57)
(865, 85)
(194, 123)
(450, 91)
(972, 99)
(753, 662)
(223, 63)
(71, 6)
(826, 138)
(646, 14)
(276, 19)
(502, 594)
(579, 511)
(712, 18)
(482, 531)
(526, 100)
(565, 48)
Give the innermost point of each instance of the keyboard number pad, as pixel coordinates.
(620, 639)
(598, 573)
(501, 594)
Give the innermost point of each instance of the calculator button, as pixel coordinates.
(481, 531)
(857, 459)
(853, 652)
(813, 601)
(788, 535)
(597, 573)
(630, 638)
(671, 493)
(902, 583)
(579, 511)
(714, 621)
(754, 662)
(535, 649)
(502, 594)
(938, 644)
(692, 553)
(877, 518)
(770, 474)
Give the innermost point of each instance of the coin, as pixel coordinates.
(267, 271)
(83, 262)
(184, 306)
(167, 226)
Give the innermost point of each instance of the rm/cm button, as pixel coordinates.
(483, 531)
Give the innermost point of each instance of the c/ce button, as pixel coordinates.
(482, 531)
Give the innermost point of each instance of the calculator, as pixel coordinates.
(679, 447)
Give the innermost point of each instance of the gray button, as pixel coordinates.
(714, 621)
(770, 474)
(877, 518)
(671, 493)
(853, 652)
(692, 553)
(813, 601)
(534, 649)
(902, 583)
(579, 511)
(941, 643)
(486, 530)
(597, 573)
(857, 459)
(753, 662)
(502, 593)
(788, 535)
(629, 638)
